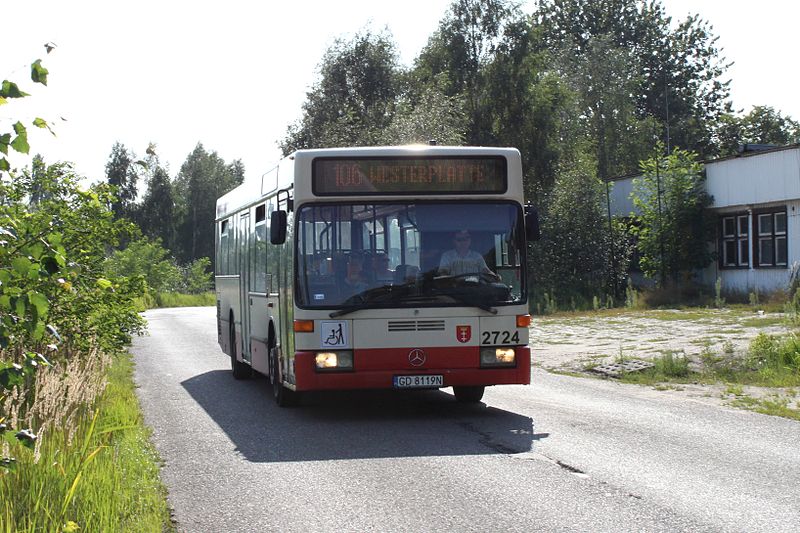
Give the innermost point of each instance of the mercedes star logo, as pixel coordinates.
(416, 357)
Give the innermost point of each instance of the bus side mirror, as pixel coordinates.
(532, 231)
(277, 227)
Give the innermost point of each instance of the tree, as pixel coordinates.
(603, 79)
(762, 125)
(581, 253)
(463, 45)
(354, 99)
(149, 260)
(121, 173)
(431, 115)
(202, 179)
(677, 73)
(673, 224)
(527, 105)
(157, 216)
(765, 125)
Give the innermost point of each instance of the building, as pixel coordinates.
(757, 203)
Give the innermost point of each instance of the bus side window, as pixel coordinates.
(224, 243)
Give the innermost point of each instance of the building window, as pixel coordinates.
(735, 251)
(770, 245)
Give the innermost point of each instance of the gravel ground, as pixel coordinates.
(575, 343)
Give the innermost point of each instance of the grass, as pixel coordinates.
(775, 406)
(175, 299)
(771, 361)
(98, 472)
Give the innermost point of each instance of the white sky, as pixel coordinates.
(233, 75)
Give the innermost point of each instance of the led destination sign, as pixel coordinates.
(432, 175)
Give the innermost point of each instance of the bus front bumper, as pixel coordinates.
(377, 369)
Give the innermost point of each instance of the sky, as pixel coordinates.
(233, 75)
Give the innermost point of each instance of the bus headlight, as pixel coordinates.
(498, 356)
(339, 360)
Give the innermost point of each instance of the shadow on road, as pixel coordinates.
(355, 424)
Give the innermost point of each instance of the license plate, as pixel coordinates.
(418, 382)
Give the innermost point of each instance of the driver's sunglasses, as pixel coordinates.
(462, 239)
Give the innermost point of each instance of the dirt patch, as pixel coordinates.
(572, 343)
(576, 343)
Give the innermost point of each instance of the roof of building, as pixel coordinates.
(744, 153)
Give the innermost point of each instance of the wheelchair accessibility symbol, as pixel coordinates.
(334, 334)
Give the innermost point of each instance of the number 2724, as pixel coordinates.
(499, 337)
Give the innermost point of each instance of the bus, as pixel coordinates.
(377, 268)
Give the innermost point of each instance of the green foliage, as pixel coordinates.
(18, 140)
(719, 301)
(632, 298)
(197, 276)
(429, 115)
(53, 297)
(672, 365)
(152, 264)
(673, 222)
(458, 52)
(673, 71)
(202, 179)
(96, 472)
(792, 308)
(354, 99)
(771, 355)
(121, 173)
(762, 125)
(54, 250)
(146, 259)
(156, 215)
(581, 253)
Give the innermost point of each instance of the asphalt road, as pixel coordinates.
(565, 454)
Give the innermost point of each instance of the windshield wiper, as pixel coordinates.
(349, 309)
(460, 299)
(369, 298)
(382, 295)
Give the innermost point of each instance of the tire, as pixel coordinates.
(283, 397)
(469, 394)
(240, 370)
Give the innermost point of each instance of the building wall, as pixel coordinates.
(765, 280)
(743, 184)
(755, 179)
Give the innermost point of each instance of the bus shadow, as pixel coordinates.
(355, 424)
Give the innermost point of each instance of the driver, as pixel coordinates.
(461, 260)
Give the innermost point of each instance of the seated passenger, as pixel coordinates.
(354, 280)
(461, 260)
(380, 269)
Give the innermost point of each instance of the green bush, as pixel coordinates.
(671, 366)
(774, 355)
(149, 260)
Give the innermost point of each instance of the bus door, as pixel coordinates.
(284, 278)
(273, 284)
(244, 281)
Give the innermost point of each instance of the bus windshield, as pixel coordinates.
(381, 255)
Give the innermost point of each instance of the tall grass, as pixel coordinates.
(175, 299)
(93, 466)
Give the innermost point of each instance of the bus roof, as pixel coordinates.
(282, 176)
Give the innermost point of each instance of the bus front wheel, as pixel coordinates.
(469, 394)
(283, 397)
(240, 370)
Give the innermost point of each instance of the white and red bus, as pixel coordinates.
(377, 268)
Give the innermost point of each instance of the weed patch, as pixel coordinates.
(91, 469)
(774, 405)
